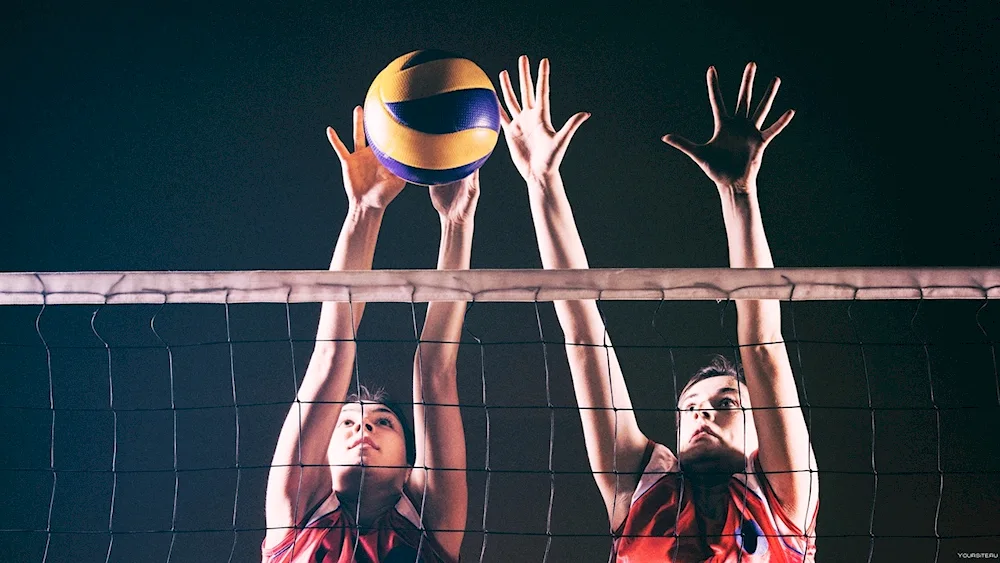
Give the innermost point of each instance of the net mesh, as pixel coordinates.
(142, 408)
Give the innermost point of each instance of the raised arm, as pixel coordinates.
(438, 477)
(615, 445)
(299, 477)
(732, 159)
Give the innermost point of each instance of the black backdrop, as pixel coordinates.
(190, 137)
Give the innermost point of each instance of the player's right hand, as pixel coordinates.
(367, 183)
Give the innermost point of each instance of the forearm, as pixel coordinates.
(302, 443)
(561, 247)
(355, 250)
(614, 442)
(439, 432)
(559, 240)
(439, 339)
(759, 321)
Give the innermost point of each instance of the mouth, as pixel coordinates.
(703, 431)
(363, 442)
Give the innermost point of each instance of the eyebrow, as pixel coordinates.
(353, 407)
(723, 391)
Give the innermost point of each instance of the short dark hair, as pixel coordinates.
(380, 396)
(719, 366)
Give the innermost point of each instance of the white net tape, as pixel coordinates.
(277, 286)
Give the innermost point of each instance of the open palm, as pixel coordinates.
(733, 155)
(536, 148)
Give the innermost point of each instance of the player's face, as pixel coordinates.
(715, 422)
(368, 435)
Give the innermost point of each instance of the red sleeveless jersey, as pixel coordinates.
(331, 536)
(662, 523)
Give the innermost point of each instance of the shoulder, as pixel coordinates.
(408, 510)
(654, 489)
(661, 462)
(319, 520)
(656, 495)
(406, 524)
(756, 480)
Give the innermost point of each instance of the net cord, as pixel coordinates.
(993, 348)
(114, 436)
(809, 421)
(937, 428)
(871, 411)
(173, 412)
(52, 433)
(552, 434)
(487, 470)
(236, 416)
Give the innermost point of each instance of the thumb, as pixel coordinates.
(565, 135)
(337, 144)
(681, 144)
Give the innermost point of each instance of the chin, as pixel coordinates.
(704, 459)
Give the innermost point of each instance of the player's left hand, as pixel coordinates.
(535, 146)
(732, 157)
(456, 202)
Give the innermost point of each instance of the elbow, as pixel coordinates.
(437, 381)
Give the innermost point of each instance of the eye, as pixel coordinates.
(689, 408)
(385, 421)
(727, 403)
(347, 422)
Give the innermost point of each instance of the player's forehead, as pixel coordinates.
(366, 409)
(713, 387)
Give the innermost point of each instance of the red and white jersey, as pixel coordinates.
(663, 525)
(330, 536)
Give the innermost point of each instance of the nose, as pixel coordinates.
(706, 414)
(368, 426)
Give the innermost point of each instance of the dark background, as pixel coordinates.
(191, 137)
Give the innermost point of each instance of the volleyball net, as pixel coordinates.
(141, 409)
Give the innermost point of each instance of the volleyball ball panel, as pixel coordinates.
(432, 117)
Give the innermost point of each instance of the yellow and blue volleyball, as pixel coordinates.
(432, 117)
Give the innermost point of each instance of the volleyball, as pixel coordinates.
(432, 117)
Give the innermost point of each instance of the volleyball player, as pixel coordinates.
(742, 486)
(345, 483)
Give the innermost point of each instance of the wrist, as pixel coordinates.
(453, 225)
(359, 212)
(738, 187)
(544, 186)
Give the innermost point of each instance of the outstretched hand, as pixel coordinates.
(535, 146)
(732, 157)
(456, 202)
(366, 181)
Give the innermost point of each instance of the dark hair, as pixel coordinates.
(380, 396)
(719, 366)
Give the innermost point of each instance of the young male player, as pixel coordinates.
(345, 485)
(743, 485)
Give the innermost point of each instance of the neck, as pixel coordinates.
(366, 509)
(709, 485)
(711, 500)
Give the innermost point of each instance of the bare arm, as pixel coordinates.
(438, 477)
(299, 476)
(732, 160)
(615, 445)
